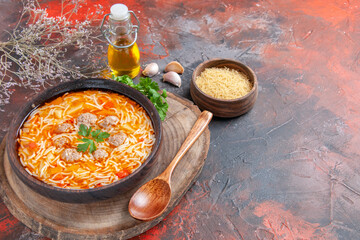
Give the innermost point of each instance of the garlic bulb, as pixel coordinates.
(173, 78)
(151, 70)
(175, 67)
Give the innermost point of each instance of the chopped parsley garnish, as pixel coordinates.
(151, 90)
(100, 136)
(84, 130)
(97, 135)
(84, 146)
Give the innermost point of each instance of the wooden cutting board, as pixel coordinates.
(109, 219)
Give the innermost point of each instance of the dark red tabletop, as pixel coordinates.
(289, 168)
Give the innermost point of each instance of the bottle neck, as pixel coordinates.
(120, 28)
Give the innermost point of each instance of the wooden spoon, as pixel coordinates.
(151, 200)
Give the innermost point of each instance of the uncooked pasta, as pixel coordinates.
(223, 83)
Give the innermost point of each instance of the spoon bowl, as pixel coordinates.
(151, 200)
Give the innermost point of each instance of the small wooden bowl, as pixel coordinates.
(82, 195)
(220, 107)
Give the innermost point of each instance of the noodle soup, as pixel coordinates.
(85, 139)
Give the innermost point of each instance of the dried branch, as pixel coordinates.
(43, 50)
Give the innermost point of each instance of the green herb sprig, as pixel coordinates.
(151, 90)
(97, 135)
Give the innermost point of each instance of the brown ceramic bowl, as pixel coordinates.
(220, 107)
(82, 195)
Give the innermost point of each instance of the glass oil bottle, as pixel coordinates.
(123, 52)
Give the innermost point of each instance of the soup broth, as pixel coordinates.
(85, 139)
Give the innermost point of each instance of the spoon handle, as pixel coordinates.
(198, 128)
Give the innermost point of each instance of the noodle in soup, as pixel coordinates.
(119, 129)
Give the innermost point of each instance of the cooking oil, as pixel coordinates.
(121, 34)
(124, 61)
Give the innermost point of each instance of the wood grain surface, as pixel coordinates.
(108, 219)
